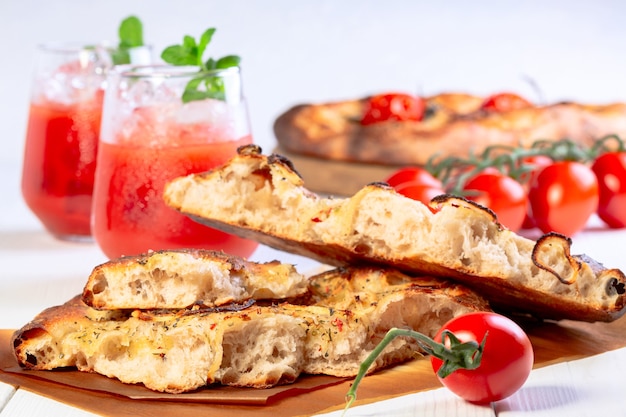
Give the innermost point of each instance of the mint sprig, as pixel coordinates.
(130, 34)
(191, 52)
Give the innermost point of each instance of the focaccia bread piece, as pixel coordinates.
(168, 351)
(359, 305)
(265, 199)
(181, 278)
(453, 125)
(247, 345)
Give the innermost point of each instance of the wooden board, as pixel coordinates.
(331, 177)
(552, 343)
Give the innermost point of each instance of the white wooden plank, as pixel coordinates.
(6, 392)
(587, 387)
(27, 404)
(434, 403)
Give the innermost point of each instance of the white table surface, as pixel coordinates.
(38, 271)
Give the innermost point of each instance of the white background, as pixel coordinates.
(299, 51)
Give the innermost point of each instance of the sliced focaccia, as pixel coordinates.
(346, 314)
(266, 200)
(181, 278)
(454, 125)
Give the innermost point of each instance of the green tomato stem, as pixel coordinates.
(458, 356)
(454, 171)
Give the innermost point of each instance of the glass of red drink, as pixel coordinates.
(148, 137)
(62, 136)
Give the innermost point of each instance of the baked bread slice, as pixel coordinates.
(168, 351)
(265, 199)
(181, 278)
(347, 313)
(454, 125)
(357, 306)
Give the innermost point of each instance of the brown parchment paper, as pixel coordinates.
(552, 343)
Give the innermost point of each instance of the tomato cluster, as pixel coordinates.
(554, 186)
(393, 106)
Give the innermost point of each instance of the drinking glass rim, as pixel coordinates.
(164, 70)
(72, 47)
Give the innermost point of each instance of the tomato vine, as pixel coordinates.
(566, 191)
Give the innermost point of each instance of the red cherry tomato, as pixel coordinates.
(563, 196)
(506, 361)
(534, 163)
(393, 106)
(415, 175)
(610, 170)
(502, 194)
(503, 102)
(416, 183)
(420, 192)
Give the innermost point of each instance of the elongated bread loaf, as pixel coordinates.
(346, 314)
(454, 125)
(264, 198)
(180, 278)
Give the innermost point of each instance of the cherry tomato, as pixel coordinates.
(503, 102)
(535, 164)
(415, 175)
(420, 192)
(610, 170)
(506, 361)
(502, 194)
(563, 196)
(393, 106)
(416, 183)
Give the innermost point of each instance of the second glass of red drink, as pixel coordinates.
(62, 137)
(63, 130)
(150, 135)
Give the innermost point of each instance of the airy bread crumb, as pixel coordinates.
(266, 200)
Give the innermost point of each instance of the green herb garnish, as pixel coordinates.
(131, 36)
(191, 52)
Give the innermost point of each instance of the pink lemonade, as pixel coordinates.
(59, 164)
(132, 172)
(131, 215)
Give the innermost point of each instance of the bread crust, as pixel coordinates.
(462, 240)
(181, 278)
(347, 313)
(454, 126)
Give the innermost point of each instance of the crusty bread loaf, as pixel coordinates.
(453, 125)
(181, 278)
(347, 313)
(265, 199)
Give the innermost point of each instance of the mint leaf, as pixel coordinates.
(131, 35)
(178, 55)
(190, 43)
(131, 32)
(203, 87)
(228, 61)
(191, 52)
(193, 95)
(205, 39)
